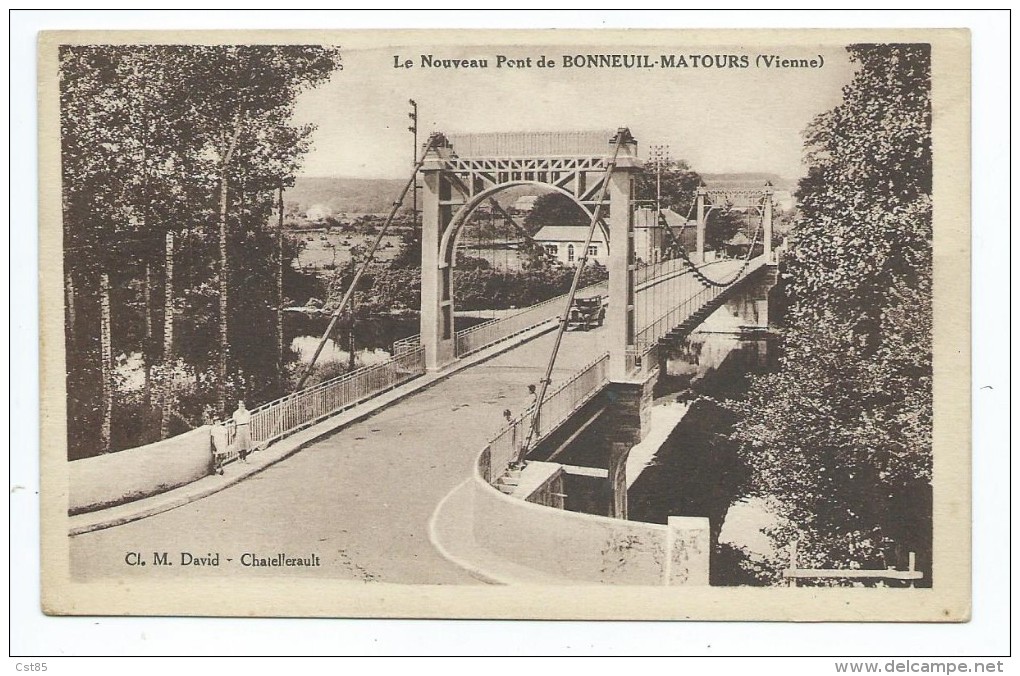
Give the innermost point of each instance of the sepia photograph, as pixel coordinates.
(506, 324)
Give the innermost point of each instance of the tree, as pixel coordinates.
(243, 100)
(554, 208)
(677, 184)
(840, 436)
(188, 140)
(110, 184)
(409, 254)
(721, 226)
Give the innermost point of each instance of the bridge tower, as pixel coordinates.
(707, 201)
(460, 173)
(437, 328)
(620, 314)
(630, 398)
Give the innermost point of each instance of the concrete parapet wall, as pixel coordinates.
(116, 478)
(583, 547)
(689, 544)
(546, 487)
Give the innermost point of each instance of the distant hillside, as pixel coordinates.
(345, 195)
(320, 196)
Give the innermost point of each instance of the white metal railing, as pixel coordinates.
(676, 316)
(284, 416)
(654, 273)
(405, 345)
(661, 310)
(499, 329)
(505, 447)
(496, 330)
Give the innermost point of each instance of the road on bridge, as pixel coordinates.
(360, 500)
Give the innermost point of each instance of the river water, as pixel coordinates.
(373, 337)
(698, 471)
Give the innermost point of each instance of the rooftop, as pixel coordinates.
(568, 233)
(645, 218)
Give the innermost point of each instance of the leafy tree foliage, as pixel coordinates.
(384, 289)
(193, 141)
(840, 436)
(677, 185)
(498, 289)
(723, 224)
(409, 255)
(553, 208)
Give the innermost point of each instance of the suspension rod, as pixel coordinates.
(565, 317)
(364, 265)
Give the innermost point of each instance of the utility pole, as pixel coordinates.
(659, 157)
(168, 336)
(413, 128)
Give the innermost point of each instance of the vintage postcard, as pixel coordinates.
(506, 324)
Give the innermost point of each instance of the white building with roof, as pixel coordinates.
(566, 243)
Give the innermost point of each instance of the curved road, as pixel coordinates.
(360, 500)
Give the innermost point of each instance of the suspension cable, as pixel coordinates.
(365, 263)
(675, 241)
(707, 281)
(565, 317)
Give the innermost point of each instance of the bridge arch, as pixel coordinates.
(451, 235)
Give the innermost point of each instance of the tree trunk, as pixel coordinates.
(146, 224)
(168, 335)
(69, 317)
(279, 290)
(148, 304)
(106, 350)
(221, 372)
(221, 384)
(147, 343)
(350, 334)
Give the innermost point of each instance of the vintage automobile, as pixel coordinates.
(586, 313)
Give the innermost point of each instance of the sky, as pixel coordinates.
(719, 120)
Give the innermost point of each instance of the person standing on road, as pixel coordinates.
(242, 430)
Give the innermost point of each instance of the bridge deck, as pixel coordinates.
(361, 499)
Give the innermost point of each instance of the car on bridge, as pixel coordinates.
(586, 313)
